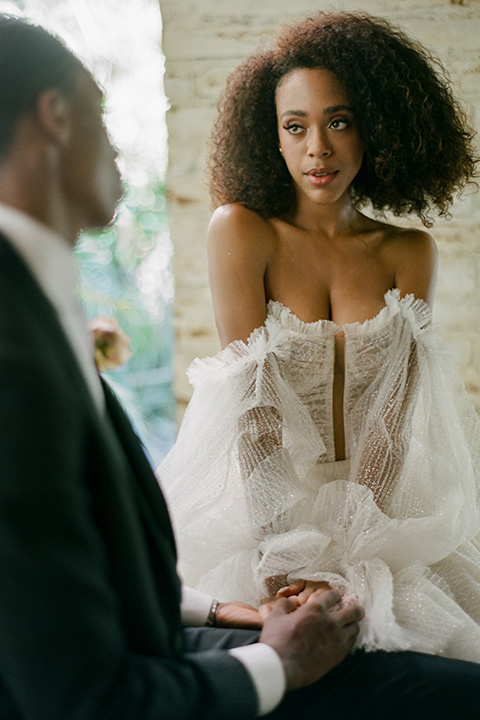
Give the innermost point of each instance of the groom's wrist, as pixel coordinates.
(195, 607)
(211, 620)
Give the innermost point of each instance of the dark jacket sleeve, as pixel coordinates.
(65, 653)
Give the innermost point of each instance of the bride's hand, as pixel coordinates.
(304, 590)
(267, 604)
(301, 590)
(238, 615)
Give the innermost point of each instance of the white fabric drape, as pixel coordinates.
(255, 494)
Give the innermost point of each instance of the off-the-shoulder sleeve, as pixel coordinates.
(245, 447)
(398, 531)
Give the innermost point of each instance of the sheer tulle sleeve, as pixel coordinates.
(412, 497)
(236, 477)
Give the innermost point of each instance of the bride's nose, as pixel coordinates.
(318, 143)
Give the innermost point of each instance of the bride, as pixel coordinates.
(331, 443)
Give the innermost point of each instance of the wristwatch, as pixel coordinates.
(212, 615)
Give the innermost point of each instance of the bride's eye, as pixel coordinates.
(293, 128)
(340, 123)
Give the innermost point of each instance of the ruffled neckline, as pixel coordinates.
(414, 309)
(281, 319)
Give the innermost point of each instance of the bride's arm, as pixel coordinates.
(259, 442)
(384, 443)
(386, 435)
(240, 244)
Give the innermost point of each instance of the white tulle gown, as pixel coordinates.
(255, 493)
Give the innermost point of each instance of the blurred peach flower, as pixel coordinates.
(112, 346)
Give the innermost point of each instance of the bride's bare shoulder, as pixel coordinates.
(237, 224)
(412, 255)
(409, 244)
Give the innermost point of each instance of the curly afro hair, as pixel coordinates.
(419, 148)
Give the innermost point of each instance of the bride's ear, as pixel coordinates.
(53, 115)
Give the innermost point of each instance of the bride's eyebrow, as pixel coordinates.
(327, 111)
(337, 108)
(298, 113)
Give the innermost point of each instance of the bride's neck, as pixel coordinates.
(329, 219)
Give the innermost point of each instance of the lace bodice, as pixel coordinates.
(306, 354)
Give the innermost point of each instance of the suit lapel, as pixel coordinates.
(152, 498)
(153, 510)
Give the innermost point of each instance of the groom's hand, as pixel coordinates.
(238, 615)
(313, 638)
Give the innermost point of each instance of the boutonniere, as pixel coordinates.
(112, 346)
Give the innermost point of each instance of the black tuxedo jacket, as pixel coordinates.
(89, 596)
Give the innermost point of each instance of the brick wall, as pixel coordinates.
(203, 40)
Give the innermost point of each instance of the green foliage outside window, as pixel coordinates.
(123, 270)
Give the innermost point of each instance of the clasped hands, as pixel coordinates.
(241, 615)
(305, 622)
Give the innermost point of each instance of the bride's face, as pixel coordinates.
(318, 135)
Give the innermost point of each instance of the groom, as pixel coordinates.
(90, 604)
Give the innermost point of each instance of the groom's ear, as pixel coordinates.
(53, 116)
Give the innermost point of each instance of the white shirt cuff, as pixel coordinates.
(194, 607)
(266, 671)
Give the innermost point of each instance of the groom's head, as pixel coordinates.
(56, 160)
(31, 61)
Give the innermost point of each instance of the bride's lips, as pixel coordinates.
(321, 176)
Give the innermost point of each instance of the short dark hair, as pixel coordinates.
(418, 144)
(31, 61)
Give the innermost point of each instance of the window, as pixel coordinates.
(125, 270)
